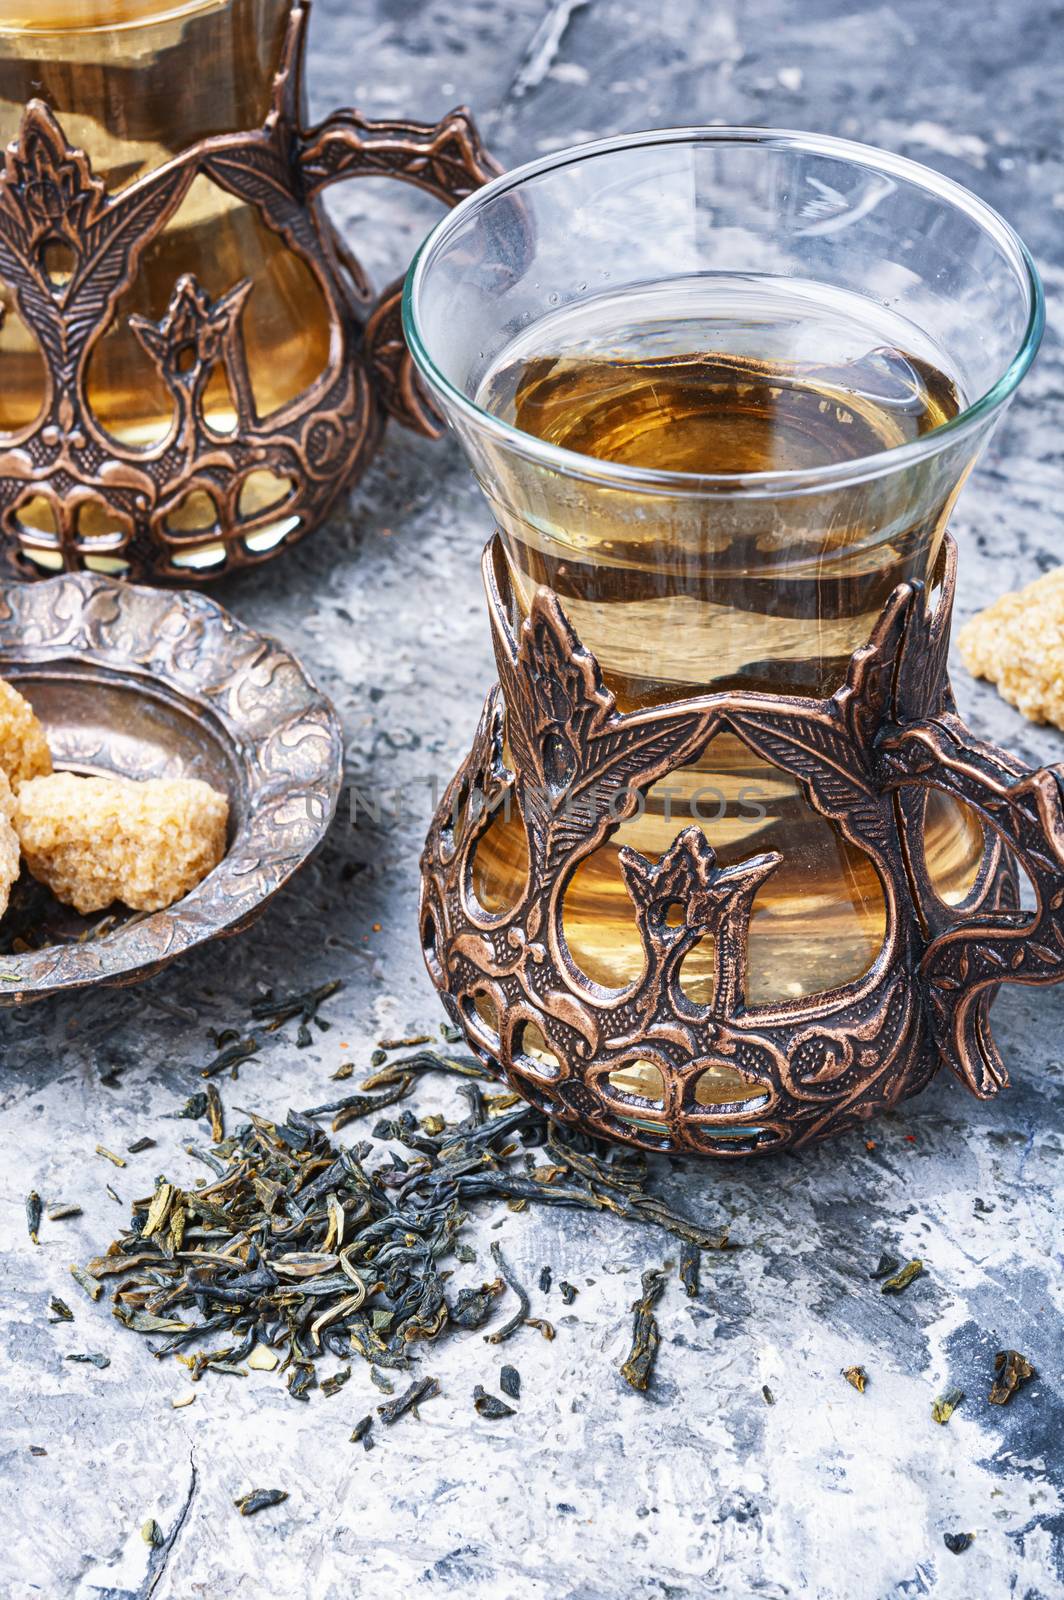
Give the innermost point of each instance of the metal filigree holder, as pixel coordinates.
(863, 759)
(319, 442)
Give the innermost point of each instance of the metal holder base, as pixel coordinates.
(317, 444)
(863, 758)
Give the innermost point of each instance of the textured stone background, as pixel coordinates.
(592, 1491)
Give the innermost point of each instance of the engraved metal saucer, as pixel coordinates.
(151, 683)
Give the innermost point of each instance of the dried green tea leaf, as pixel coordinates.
(38, 1450)
(404, 1044)
(545, 1280)
(61, 1312)
(639, 1365)
(423, 1389)
(33, 1214)
(690, 1261)
(567, 1292)
(333, 1384)
(60, 1212)
(767, 1395)
(143, 1143)
(216, 1113)
(489, 1405)
(1013, 1371)
(194, 1108)
(901, 1280)
(304, 1006)
(93, 1357)
(510, 1382)
(524, 1303)
(258, 1500)
(361, 1428)
(344, 1070)
(946, 1404)
(92, 1286)
(857, 1377)
(472, 1307)
(886, 1266)
(956, 1543)
(151, 1532)
(300, 1379)
(231, 1056)
(109, 1155)
(181, 1400)
(385, 1385)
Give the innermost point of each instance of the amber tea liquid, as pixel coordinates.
(677, 596)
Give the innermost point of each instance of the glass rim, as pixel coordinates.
(575, 464)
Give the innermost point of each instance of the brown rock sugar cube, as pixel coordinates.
(9, 849)
(97, 840)
(1018, 644)
(24, 750)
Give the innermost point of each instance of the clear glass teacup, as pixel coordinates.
(721, 388)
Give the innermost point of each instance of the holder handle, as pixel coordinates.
(447, 160)
(975, 951)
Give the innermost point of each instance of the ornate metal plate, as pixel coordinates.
(147, 683)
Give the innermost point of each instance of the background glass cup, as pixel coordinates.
(774, 245)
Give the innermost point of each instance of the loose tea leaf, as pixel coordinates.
(360, 1429)
(489, 1405)
(258, 1500)
(546, 1277)
(92, 1286)
(385, 1385)
(946, 1404)
(690, 1262)
(857, 1377)
(231, 1056)
(886, 1266)
(274, 1013)
(143, 1143)
(567, 1292)
(1013, 1371)
(524, 1303)
(332, 1385)
(92, 1356)
(60, 1212)
(61, 1311)
(510, 1382)
(423, 1389)
(956, 1543)
(194, 1108)
(901, 1280)
(216, 1113)
(767, 1395)
(33, 1214)
(639, 1365)
(109, 1155)
(151, 1533)
(471, 1308)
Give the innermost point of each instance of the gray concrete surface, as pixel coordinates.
(592, 1492)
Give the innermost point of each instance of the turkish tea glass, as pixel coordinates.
(721, 388)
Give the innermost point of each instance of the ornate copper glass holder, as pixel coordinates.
(113, 505)
(576, 768)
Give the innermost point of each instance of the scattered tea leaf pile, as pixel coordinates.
(302, 1247)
